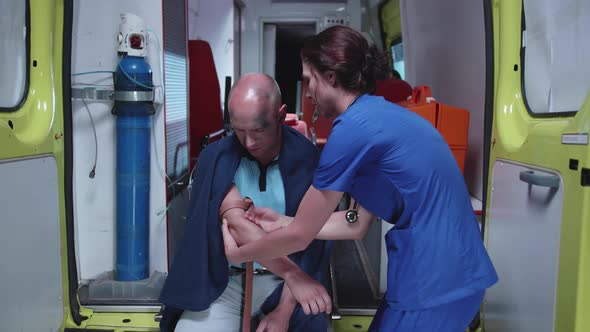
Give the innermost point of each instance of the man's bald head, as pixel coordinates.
(255, 87)
(256, 114)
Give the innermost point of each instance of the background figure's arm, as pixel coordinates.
(314, 211)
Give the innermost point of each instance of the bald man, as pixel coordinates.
(273, 165)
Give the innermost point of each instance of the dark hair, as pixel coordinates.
(347, 53)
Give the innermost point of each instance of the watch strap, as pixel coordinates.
(243, 204)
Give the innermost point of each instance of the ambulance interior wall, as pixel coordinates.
(258, 12)
(444, 48)
(213, 21)
(217, 23)
(94, 48)
(370, 21)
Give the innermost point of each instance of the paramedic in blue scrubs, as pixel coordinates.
(397, 167)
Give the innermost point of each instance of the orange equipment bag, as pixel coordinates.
(452, 122)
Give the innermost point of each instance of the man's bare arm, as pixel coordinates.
(309, 292)
(313, 212)
(244, 232)
(278, 319)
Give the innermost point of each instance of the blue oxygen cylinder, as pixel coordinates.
(133, 168)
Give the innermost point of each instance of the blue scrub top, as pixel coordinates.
(397, 165)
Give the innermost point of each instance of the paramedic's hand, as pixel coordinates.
(312, 296)
(232, 251)
(276, 321)
(268, 219)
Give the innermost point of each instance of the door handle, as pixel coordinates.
(532, 178)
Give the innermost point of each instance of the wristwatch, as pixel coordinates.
(243, 204)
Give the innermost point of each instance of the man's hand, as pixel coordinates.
(276, 321)
(312, 296)
(232, 251)
(268, 219)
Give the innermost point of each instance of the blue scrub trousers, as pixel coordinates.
(450, 317)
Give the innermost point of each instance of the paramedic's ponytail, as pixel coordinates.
(375, 67)
(347, 53)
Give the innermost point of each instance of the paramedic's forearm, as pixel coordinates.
(337, 228)
(315, 209)
(244, 232)
(311, 294)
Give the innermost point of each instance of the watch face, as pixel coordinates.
(352, 216)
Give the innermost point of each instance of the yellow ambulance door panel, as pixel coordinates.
(537, 230)
(33, 247)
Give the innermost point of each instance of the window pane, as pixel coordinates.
(13, 53)
(175, 66)
(557, 54)
(397, 52)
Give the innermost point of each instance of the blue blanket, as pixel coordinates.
(199, 273)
